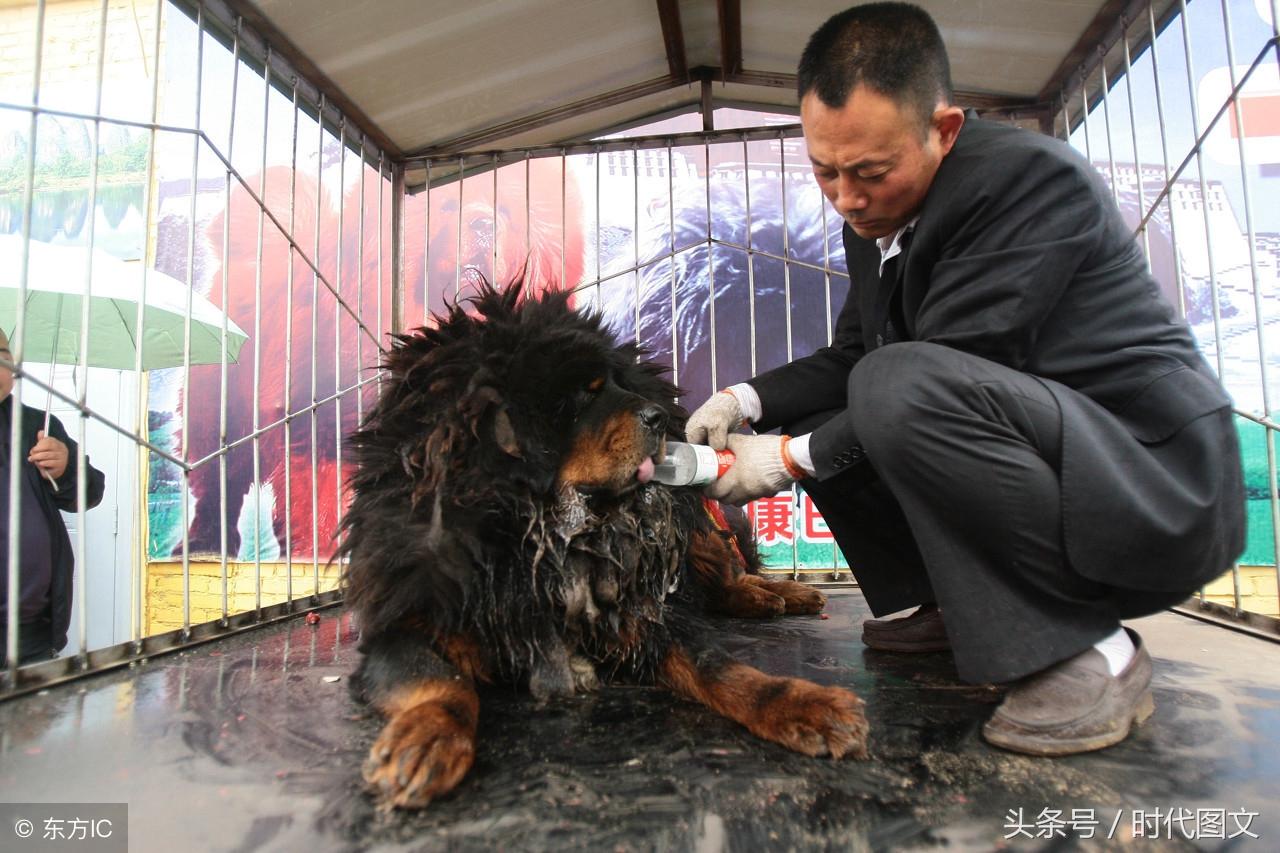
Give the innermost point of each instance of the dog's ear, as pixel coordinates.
(505, 434)
(486, 411)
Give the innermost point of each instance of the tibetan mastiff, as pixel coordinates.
(504, 529)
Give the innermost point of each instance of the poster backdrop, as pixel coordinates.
(648, 238)
(722, 260)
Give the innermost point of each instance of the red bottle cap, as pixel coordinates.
(724, 460)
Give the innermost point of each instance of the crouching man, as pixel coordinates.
(1012, 430)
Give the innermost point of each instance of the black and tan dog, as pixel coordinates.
(504, 528)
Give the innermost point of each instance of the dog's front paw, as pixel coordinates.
(802, 599)
(813, 719)
(747, 600)
(799, 598)
(423, 752)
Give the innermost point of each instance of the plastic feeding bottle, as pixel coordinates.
(691, 464)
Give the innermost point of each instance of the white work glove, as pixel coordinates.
(759, 469)
(714, 420)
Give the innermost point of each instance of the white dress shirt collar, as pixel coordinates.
(891, 244)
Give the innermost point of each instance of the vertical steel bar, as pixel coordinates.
(1106, 122)
(337, 327)
(137, 577)
(1258, 306)
(826, 275)
(226, 307)
(16, 346)
(257, 343)
(1204, 191)
(399, 197)
(826, 265)
(671, 265)
(360, 283)
(796, 527)
(1084, 113)
(493, 268)
(186, 332)
(426, 246)
(457, 257)
(315, 361)
(82, 383)
(378, 266)
(1133, 132)
(711, 272)
(786, 247)
(286, 512)
(528, 218)
(635, 230)
(564, 226)
(751, 260)
(1271, 433)
(1164, 159)
(599, 269)
(1215, 309)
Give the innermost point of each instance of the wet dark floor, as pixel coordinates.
(253, 743)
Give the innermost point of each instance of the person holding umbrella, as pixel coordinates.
(46, 484)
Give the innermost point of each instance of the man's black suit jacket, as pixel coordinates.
(1021, 256)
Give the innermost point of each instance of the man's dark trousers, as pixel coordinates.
(965, 510)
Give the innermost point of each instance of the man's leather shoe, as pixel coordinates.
(922, 631)
(1074, 706)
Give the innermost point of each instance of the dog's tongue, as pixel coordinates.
(645, 472)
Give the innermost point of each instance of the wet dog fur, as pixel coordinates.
(504, 529)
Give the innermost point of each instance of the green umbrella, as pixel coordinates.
(55, 290)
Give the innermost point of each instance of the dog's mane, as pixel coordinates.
(456, 523)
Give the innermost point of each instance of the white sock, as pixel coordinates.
(1117, 649)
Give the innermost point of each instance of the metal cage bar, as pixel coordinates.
(217, 29)
(186, 334)
(1133, 134)
(140, 508)
(1186, 194)
(711, 272)
(226, 307)
(82, 390)
(288, 341)
(227, 35)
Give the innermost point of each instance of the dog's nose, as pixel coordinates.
(654, 417)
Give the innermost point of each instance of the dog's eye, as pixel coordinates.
(595, 385)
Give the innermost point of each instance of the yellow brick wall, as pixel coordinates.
(1257, 590)
(164, 590)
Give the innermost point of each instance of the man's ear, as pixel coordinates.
(947, 121)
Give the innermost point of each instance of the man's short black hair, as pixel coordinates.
(894, 49)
